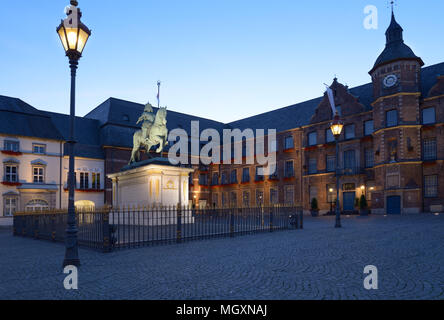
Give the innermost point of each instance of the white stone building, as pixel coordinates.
(35, 164)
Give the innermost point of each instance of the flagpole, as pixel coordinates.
(158, 94)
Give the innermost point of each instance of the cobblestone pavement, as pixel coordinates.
(319, 262)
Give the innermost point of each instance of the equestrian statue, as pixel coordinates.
(154, 132)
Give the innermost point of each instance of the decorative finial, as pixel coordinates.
(74, 3)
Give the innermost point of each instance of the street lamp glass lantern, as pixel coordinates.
(73, 33)
(336, 126)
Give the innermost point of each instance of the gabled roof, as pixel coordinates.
(19, 118)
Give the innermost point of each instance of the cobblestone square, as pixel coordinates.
(319, 262)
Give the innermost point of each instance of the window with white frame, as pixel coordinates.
(38, 174)
(84, 180)
(11, 172)
(10, 145)
(10, 206)
(38, 148)
(37, 205)
(96, 181)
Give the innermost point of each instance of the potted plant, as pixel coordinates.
(314, 207)
(363, 206)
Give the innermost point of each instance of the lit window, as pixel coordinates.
(96, 181)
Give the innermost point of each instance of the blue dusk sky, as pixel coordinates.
(220, 59)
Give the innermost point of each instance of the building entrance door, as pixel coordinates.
(394, 205)
(348, 201)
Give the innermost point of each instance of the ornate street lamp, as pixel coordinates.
(336, 128)
(74, 35)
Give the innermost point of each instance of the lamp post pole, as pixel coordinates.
(337, 211)
(73, 35)
(72, 254)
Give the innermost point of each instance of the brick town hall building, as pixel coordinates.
(391, 148)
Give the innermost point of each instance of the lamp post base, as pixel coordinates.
(71, 262)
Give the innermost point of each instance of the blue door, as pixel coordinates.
(349, 201)
(394, 205)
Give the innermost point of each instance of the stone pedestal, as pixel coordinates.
(152, 183)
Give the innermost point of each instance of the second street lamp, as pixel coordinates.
(336, 128)
(74, 35)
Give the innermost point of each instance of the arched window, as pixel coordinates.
(37, 205)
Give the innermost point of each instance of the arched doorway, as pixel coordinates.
(85, 205)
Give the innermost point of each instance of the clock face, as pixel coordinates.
(390, 80)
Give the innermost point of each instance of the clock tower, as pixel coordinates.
(396, 77)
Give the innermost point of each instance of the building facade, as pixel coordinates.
(391, 149)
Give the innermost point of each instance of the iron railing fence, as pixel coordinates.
(113, 229)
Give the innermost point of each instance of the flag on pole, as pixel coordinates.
(331, 98)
